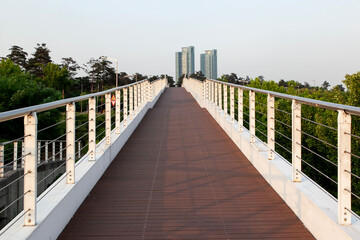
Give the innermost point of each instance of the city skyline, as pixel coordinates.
(300, 40)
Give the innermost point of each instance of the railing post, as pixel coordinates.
(92, 129)
(22, 154)
(232, 103)
(117, 111)
(240, 109)
(79, 149)
(2, 160)
(61, 151)
(46, 151)
(135, 99)
(125, 106)
(225, 100)
(30, 169)
(216, 94)
(39, 154)
(16, 155)
(344, 168)
(220, 95)
(131, 105)
(296, 141)
(142, 94)
(53, 151)
(108, 118)
(252, 116)
(70, 143)
(271, 126)
(139, 98)
(212, 92)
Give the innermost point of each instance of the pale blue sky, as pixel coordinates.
(304, 40)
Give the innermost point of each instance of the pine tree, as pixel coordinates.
(18, 56)
(41, 57)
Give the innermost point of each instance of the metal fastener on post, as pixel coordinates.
(61, 151)
(16, 155)
(2, 160)
(240, 109)
(117, 111)
(252, 116)
(225, 100)
(344, 167)
(125, 105)
(46, 151)
(108, 118)
(53, 151)
(271, 126)
(70, 143)
(216, 94)
(39, 153)
(220, 95)
(296, 141)
(131, 104)
(232, 103)
(92, 129)
(30, 169)
(135, 99)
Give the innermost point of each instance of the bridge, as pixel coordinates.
(177, 163)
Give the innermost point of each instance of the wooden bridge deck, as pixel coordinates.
(181, 177)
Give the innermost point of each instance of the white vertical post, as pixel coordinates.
(61, 151)
(70, 143)
(232, 103)
(271, 126)
(252, 116)
(135, 99)
(46, 151)
(79, 149)
(344, 168)
(118, 111)
(30, 169)
(92, 129)
(39, 153)
(139, 97)
(296, 141)
(125, 105)
(2, 160)
(16, 155)
(142, 94)
(225, 100)
(108, 118)
(22, 154)
(53, 151)
(241, 109)
(212, 92)
(131, 104)
(216, 94)
(220, 95)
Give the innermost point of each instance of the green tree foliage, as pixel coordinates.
(18, 56)
(352, 83)
(41, 57)
(100, 73)
(18, 90)
(57, 77)
(71, 65)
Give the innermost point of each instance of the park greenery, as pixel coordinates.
(26, 81)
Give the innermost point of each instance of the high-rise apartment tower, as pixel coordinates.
(185, 62)
(208, 64)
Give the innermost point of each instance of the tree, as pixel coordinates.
(352, 83)
(41, 57)
(71, 66)
(198, 75)
(307, 85)
(57, 77)
(325, 85)
(180, 81)
(282, 83)
(18, 56)
(100, 73)
(9, 69)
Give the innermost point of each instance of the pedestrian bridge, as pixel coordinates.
(179, 163)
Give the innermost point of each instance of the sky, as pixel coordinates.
(302, 40)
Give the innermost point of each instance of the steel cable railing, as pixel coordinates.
(290, 137)
(78, 140)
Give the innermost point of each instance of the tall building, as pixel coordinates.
(178, 65)
(185, 62)
(208, 63)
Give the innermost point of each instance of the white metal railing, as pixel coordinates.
(130, 100)
(216, 93)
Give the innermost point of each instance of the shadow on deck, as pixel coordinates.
(181, 177)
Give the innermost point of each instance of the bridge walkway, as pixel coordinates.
(181, 177)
